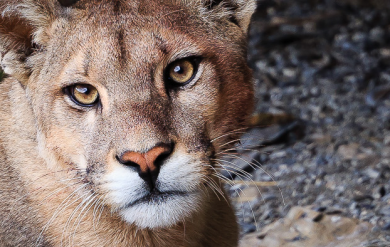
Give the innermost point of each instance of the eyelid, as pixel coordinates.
(183, 54)
(74, 82)
(189, 57)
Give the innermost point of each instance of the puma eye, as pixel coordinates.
(182, 71)
(83, 94)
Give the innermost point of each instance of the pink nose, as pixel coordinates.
(148, 163)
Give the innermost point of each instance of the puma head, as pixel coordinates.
(135, 100)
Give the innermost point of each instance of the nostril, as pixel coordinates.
(159, 160)
(126, 162)
(158, 154)
(147, 164)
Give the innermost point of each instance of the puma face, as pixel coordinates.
(134, 101)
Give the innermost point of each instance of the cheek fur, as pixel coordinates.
(65, 146)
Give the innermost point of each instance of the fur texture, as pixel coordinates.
(62, 183)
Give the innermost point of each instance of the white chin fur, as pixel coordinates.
(179, 173)
(165, 214)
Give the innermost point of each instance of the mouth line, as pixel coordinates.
(156, 197)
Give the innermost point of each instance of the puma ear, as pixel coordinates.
(237, 11)
(23, 33)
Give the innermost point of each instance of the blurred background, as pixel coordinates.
(322, 120)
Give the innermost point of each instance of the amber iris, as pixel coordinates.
(85, 94)
(181, 71)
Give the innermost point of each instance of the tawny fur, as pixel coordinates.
(54, 155)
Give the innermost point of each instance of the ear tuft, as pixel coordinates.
(238, 12)
(210, 4)
(23, 29)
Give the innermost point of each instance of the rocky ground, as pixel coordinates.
(322, 75)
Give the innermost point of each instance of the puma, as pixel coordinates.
(113, 115)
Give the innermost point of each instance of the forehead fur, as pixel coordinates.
(27, 27)
(41, 13)
(34, 17)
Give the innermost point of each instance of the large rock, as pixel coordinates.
(304, 227)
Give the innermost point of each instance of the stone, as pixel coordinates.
(305, 227)
(349, 151)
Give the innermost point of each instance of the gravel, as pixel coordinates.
(325, 64)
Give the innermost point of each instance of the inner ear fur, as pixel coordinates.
(15, 47)
(237, 11)
(23, 26)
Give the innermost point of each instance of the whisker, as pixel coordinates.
(102, 208)
(230, 133)
(59, 209)
(98, 203)
(204, 190)
(247, 185)
(25, 196)
(235, 168)
(86, 208)
(218, 189)
(274, 180)
(240, 140)
(253, 213)
(211, 187)
(229, 171)
(50, 173)
(57, 191)
(258, 165)
(223, 179)
(250, 206)
(254, 183)
(68, 222)
(230, 142)
(253, 165)
(227, 151)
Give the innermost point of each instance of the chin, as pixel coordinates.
(161, 210)
(174, 197)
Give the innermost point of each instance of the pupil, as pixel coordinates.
(178, 70)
